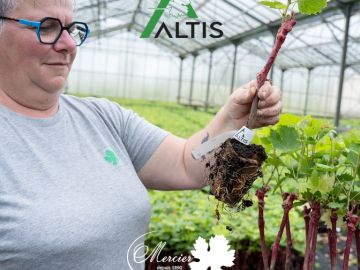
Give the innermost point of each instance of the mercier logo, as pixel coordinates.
(215, 255)
(176, 11)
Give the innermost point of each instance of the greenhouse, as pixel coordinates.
(205, 71)
(185, 134)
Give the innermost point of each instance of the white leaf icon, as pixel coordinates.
(219, 254)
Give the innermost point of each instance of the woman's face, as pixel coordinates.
(24, 62)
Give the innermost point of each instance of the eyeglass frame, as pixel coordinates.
(37, 24)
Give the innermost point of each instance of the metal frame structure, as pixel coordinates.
(249, 26)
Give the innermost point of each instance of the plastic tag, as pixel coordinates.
(244, 135)
(210, 145)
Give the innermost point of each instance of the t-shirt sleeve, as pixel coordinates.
(140, 137)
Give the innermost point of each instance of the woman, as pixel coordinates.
(74, 172)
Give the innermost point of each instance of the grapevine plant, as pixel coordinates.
(324, 166)
(234, 159)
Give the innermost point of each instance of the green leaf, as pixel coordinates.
(317, 195)
(321, 183)
(355, 196)
(354, 146)
(314, 129)
(311, 6)
(325, 168)
(336, 191)
(273, 4)
(335, 205)
(345, 177)
(285, 139)
(277, 162)
(305, 167)
(298, 203)
(353, 157)
(287, 119)
(265, 143)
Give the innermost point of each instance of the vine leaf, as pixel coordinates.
(335, 205)
(345, 177)
(321, 183)
(311, 7)
(307, 7)
(285, 139)
(273, 4)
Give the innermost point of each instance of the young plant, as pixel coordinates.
(235, 166)
(229, 178)
(326, 172)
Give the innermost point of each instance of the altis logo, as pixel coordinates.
(185, 10)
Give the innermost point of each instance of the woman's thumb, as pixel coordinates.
(244, 96)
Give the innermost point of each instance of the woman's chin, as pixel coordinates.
(55, 85)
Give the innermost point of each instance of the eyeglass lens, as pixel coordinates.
(50, 30)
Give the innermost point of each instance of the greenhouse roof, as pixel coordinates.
(316, 40)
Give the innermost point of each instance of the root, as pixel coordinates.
(233, 170)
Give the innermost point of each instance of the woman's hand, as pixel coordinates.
(237, 108)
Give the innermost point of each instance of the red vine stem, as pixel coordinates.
(316, 218)
(260, 193)
(312, 236)
(308, 240)
(351, 220)
(357, 237)
(288, 260)
(287, 205)
(261, 77)
(332, 240)
(306, 214)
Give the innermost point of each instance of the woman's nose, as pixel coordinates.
(65, 42)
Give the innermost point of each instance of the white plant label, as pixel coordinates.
(244, 135)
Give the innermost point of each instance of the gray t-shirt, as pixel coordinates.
(70, 197)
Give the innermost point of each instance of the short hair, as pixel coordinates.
(6, 6)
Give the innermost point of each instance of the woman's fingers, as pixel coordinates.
(269, 111)
(269, 97)
(267, 121)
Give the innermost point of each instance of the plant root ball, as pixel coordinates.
(233, 169)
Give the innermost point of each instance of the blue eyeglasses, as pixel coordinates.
(49, 29)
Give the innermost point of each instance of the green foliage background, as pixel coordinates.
(180, 217)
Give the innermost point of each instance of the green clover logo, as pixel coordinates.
(111, 157)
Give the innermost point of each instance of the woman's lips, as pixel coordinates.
(58, 64)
